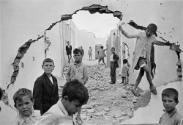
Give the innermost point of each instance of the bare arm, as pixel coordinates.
(127, 34)
(68, 78)
(85, 79)
(159, 43)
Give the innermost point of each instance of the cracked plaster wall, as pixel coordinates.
(23, 20)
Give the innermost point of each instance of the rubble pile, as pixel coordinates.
(109, 104)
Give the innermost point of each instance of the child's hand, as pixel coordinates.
(132, 23)
(169, 44)
(120, 24)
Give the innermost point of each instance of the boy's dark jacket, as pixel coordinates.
(116, 58)
(45, 93)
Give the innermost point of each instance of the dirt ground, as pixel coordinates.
(109, 104)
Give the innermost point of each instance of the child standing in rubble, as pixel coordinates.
(113, 65)
(125, 72)
(77, 71)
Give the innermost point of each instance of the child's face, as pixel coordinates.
(112, 50)
(73, 106)
(169, 103)
(68, 43)
(77, 57)
(48, 67)
(149, 32)
(24, 106)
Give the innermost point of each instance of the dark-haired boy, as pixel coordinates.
(69, 51)
(74, 95)
(171, 115)
(45, 91)
(77, 70)
(113, 65)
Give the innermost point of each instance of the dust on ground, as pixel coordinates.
(110, 104)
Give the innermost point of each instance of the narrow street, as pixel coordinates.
(114, 104)
(109, 104)
(145, 33)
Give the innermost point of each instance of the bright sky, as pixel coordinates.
(99, 24)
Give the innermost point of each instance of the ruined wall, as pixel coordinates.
(20, 25)
(24, 20)
(1, 38)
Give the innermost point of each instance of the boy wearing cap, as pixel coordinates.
(141, 59)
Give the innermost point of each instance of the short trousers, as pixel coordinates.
(141, 63)
(68, 54)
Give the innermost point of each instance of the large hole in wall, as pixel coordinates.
(66, 17)
(93, 30)
(92, 10)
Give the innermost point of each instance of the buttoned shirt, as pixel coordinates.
(111, 58)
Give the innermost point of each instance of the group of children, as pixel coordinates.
(66, 110)
(45, 96)
(74, 95)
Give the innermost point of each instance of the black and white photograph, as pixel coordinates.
(91, 62)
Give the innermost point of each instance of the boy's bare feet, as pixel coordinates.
(135, 92)
(153, 90)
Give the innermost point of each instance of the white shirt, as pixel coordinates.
(56, 115)
(111, 58)
(51, 79)
(31, 120)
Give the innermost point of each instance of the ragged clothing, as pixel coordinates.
(125, 71)
(173, 118)
(143, 49)
(77, 71)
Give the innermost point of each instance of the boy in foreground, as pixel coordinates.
(23, 102)
(74, 95)
(171, 115)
